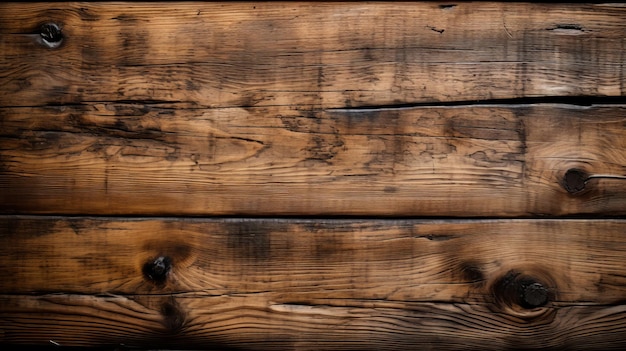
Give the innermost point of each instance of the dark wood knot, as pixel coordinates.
(51, 35)
(533, 295)
(575, 180)
(157, 270)
(517, 289)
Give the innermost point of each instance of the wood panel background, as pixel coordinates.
(313, 175)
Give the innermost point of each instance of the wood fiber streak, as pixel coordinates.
(269, 284)
(329, 54)
(503, 160)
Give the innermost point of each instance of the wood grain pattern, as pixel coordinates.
(427, 161)
(310, 54)
(452, 261)
(276, 284)
(247, 322)
(329, 136)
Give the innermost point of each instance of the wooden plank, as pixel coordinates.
(504, 160)
(313, 284)
(395, 260)
(247, 322)
(320, 54)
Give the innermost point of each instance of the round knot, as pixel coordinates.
(574, 180)
(157, 270)
(517, 289)
(51, 35)
(533, 295)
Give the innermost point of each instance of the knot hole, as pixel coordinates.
(51, 35)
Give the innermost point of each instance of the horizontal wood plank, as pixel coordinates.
(501, 160)
(313, 284)
(248, 322)
(412, 260)
(356, 109)
(333, 54)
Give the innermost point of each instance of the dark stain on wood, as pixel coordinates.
(324, 147)
(37, 141)
(60, 94)
(250, 240)
(174, 317)
(471, 271)
(11, 226)
(133, 41)
(390, 189)
(127, 110)
(328, 246)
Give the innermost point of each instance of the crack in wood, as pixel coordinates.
(583, 101)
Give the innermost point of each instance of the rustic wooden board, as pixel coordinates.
(247, 322)
(340, 284)
(332, 54)
(313, 109)
(506, 160)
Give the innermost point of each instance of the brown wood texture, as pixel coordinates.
(428, 161)
(249, 109)
(313, 175)
(313, 284)
(312, 54)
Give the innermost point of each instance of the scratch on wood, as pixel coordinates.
(506, 30)
(435, 29)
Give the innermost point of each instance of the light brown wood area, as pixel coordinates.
(275, 284)
(428, 161)
(232, 54)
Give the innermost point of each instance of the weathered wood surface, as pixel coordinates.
(512, 111)
(426, 161)
(309, 54)
(247, 322)
(313, 284)
(122, 117)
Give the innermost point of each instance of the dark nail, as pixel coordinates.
(157, 270)
(533, 295)
(574, 180)
(51, 34)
